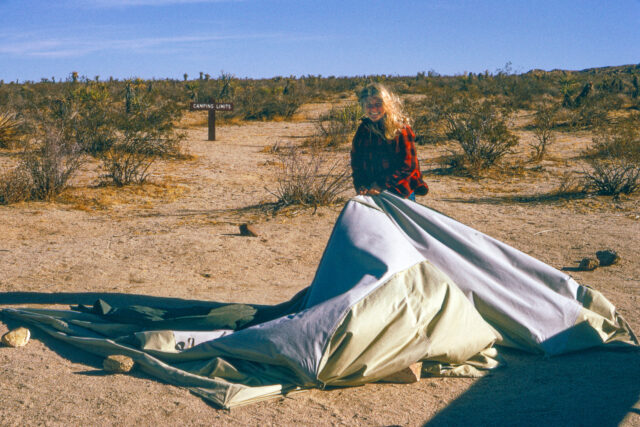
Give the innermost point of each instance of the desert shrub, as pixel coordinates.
(310, 179)
(543, 124)
(612, 177)
(128, 161)
(588, 115)
(428, 116)
(480, 128)
(52, 163)
(15, 186)
(614, 157)
(9, 130)
(429, 126)
(137, 146)
(619, 139)
(134, 134)
(268, 103)
(91, 114)
(338, 125)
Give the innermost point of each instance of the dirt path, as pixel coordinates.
(177, 240)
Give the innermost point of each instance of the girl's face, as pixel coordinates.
(374, 108)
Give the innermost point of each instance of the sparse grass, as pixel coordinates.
(15, 186)
(312, 179)
(104, 197)
(337, 127)
(620, 139)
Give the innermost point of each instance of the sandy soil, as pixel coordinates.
(176, 240)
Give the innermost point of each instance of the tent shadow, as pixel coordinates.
(88, 298)
(61, 348)
(593, 387)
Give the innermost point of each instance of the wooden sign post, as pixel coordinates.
(212, 107)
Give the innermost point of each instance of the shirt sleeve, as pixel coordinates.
(407, 165)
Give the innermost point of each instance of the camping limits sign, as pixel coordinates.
(212, 107)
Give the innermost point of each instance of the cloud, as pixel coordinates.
(133, 3)
(33, 45)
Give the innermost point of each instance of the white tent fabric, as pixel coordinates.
(398, 283)
(530, 304)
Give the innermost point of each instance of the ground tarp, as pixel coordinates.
(398, 283)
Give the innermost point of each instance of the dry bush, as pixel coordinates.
(15, 186)
(429, 126)
(620, 139)
(129, 158)
(544, 122)
(429, 116)
(264, 103)
(614, 158)
(9, 130)
(314, 179)
(480, 127)
(52, 163)
(140, 134)
(613, 177)
(125, 166)
(337, 126)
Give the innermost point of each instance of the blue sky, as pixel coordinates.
(266, 38)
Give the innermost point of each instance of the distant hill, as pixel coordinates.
(612, 69)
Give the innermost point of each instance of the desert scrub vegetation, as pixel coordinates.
(15, 186)
(9, 130)
(481, 130)
(268, 99)
(128, 124)
(51, 164)
(44, 169)
(613, 177)
(429, 121)
(614, 157)
(337, 126)
(544, 122)
(125, 129)
(309, 177)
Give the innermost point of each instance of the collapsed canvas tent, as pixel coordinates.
(398, 283)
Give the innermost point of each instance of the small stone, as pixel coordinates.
(410, 374)
(588, 264)
(16, 338)
(248, 230)
(607, 257)
(117, 363)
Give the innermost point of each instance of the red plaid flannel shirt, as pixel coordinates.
(392, 164)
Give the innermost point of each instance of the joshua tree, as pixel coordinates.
(586, 90)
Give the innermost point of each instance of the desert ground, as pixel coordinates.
(175, 240)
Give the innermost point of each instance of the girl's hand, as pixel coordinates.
(374, 190)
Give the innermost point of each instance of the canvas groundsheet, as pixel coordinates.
(398, 283)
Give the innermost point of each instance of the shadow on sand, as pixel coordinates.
(596, 387)
(551, 197)
(88, 298)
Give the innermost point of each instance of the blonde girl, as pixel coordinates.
(383, 154)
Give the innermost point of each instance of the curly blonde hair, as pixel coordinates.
(394, 119)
